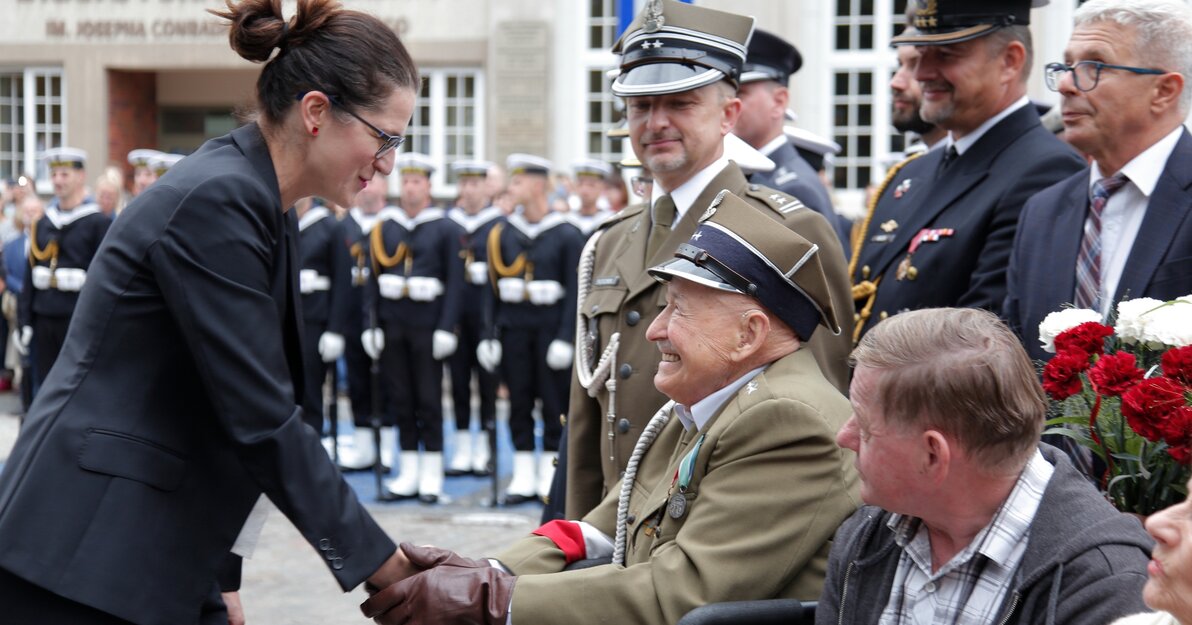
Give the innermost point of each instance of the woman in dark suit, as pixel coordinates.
(173, 406)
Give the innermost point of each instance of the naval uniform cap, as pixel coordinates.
(941, 22)
(738, 249)
(163, 161)
(414, 163)
(141, 157)
(66, 157)
(770, 58)
(593, 168)
(816, 150)
(463, 168)
(673, 47)
(629, 156)
(518, 163)
(746, 156)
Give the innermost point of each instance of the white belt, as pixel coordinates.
(417, 288)
(63, 278)
(478, 273)
(537, 292)
(310, 281)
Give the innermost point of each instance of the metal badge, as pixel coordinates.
(677, 506)
(654, 18)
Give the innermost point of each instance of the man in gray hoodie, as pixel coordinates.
(969, 518)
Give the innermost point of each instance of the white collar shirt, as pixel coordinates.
(698, 415)
(967, 141)
(685, 194)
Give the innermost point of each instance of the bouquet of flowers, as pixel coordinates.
(1125, 393)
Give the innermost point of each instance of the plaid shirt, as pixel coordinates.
(971, 587)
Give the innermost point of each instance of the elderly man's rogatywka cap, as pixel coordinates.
(673, 47)
(738, 249)
(66, 157)
(770, 57)
(940, 22)
(414, 163)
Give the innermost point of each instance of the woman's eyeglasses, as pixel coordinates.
(388, 142)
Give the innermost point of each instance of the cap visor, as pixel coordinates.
(663, 78)
(683, 268)
(942, 38)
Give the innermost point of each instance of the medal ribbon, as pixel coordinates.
(929, 235)
(687, 466)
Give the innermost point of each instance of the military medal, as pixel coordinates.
(902, 188)
(889, 226)
(677, 506)
(927, 235)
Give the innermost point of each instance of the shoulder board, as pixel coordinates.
(777, 201)
(625, 213)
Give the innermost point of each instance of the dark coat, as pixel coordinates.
(794, 176)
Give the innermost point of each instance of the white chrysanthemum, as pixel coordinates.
(1170, 325)
(1061, 321)
(1132, 318)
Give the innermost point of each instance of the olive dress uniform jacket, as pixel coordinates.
(625, 299)
(794, 176)
(172, 406)
(769, 488)
(967, 214)
(1043, 265)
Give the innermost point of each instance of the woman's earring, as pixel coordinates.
(315, 131)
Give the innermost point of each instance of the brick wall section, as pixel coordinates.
(132, 116)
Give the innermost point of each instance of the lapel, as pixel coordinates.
(1168, 207)
(970, 168)
(291, 306)
(1066, 232)
(634, 248)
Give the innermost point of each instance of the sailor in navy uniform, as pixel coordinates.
(532, 264)
(143, 174)
(590, 175)
(477, 216)
(764, 99)
(323, 281)
(361, 453)
(61, 246)
(419, 280)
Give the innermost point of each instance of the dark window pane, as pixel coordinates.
(840, 178)
(841, 115)
(843, 141)
(866, 37)
(470, 87)
(864, 83)
(863, 175)
(897, 143)
(864, 146)
(866, 7)
(842, 83)
(864, 114)
(452, 116)
(452, 87)
(594, 142)
(843, 8)
(842, 38)
(595, 40)
(594, 113)
(595, 82)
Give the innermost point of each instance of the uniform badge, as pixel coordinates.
(677, 506)
(889, 226)
(654, 18)
(712, 207)
(902, 188)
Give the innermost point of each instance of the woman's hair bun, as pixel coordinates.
(257, 27)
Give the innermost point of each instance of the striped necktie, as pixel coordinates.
(1088, 261)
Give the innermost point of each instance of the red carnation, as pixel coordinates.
(1177, 363)
(1182, 455)
(1088, 337)
(1061, 375)
(1177, 428)
(1148, 404)
(1114, 374)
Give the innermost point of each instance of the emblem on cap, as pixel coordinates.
(654, 18)
(925, 16)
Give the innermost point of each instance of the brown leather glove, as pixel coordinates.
(430, 557)
(445, 595)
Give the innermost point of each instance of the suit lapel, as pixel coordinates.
(1167, 209)
(1066, 232)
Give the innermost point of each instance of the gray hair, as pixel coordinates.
(1164, 33)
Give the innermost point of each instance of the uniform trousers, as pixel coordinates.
(315, 372)
(414, 381)
(360, 387)
(462, 363)
(49, 334)
(525, 372)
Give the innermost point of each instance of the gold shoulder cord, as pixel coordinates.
(357, 252)
(868, 288)
(37, 255)
(381, 259)
(497, 268)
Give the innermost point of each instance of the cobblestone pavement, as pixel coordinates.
(287, 583)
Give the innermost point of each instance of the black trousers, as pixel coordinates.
(523, 363)
(360, 382)
(462, 364)
(49, 333)
(314, 370)
(414, 382)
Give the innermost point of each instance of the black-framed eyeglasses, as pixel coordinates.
(388, 142)
(1086, 74)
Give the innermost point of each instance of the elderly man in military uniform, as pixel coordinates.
(736, 485)
(764, 99)
(941, 230)
(531, 263)
(590, 175)
(474, 213)
(143, 173)
(419, 280)
(679, 70)
(61, 246)
(361, 453)
(323, 280)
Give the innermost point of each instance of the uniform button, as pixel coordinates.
(337, 563)
(595, 307)
(331, 554)
(632, 317)
(626, 371)
(856, 317)
(753, 187)
(883, 315)
(562, 419)
(865, 272)
(630, 519)
(623, 426)
(324, 544)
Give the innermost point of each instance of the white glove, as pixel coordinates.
(306, 281)
(559, 355)
(443, 344)
(373, 342)
(70, 279)
(544, 292)
(21, 339)
(512, 290)
(488, 354)
(478, 273)
(423, 289)
(41, 277)
(391, 286)
(331, 346)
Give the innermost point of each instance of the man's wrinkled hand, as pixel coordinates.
(444, 595)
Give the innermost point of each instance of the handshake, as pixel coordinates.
(447, 589)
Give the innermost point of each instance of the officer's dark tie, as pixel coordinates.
(1088, 261)
(664, 217)
(950, 156)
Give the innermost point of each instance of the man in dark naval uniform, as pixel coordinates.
(61, 246)
(323, 280)
(362, 452)
(419, 280)
(531, 262)
(477, 216)
(764, 100)
(590, 175)
(941, 230)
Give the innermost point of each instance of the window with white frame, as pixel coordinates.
(603, 110)
(862, 64)
(32, 120)
(447, 124)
